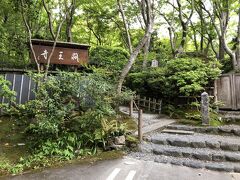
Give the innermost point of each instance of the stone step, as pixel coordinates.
(189, 162)
(203, 154)
(215, 166)
(227, 129)
(228, 143)
(173, 131)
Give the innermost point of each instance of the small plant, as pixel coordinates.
(7, 93)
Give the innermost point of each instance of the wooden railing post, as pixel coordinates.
(149, 104)
(140, 125)
(160, 107)
(154, 104)
(144, 101)
(131, 108)
(138, 100)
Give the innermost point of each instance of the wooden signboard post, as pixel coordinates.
(72, 54)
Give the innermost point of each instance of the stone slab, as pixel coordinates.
(172, 131)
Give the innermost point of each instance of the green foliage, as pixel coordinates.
(67, 117)
(6, 92)
(181, 76)
(149, 82)
(110, 58)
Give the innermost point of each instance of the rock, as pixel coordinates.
(219, 167)
(145, 147)
(198, 144)
(211, 130)
(147, 138)
(179, 142)
(158, 151)
(237, 169)
(236, 132)
(213, 145)
(172, 152)
(202, 156)
(117, 147)
(227, 146)
(218, 157)
(187, 154)
(191, 164)
(232, 157)
(225, 129)
(161, 160)
(159, 141)
(176, 162)
(119, 140)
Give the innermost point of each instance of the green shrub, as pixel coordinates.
(111, 58)
(189, 76)
(6, 92)
(66, 117)
(182, 76)
(149, 82)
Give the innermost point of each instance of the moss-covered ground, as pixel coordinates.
(13, 146)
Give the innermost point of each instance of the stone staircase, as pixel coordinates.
(213, 148)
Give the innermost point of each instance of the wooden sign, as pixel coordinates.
(64, 53)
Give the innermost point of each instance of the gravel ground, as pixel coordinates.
(148, 118)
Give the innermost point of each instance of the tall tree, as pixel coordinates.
(148, 12)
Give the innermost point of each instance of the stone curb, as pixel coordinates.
(178, 142)
(214, 130)
(199, 154)
(230, 167)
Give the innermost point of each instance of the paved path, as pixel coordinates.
(151, 122)
(127, 169)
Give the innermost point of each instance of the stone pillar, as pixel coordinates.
(205, 108)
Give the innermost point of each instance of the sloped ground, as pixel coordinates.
(12, 141)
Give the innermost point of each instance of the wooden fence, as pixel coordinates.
(149, 104)
(23, 85)
(227, 90)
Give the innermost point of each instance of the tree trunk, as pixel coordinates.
(146, 51)
(125, 25)
(238, 41)
(194, 36)
(69, 20)
(183, 40)
(132, 58)
(136, 51)
(171, 41)
(221, 50)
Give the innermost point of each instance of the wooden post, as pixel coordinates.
(149, 104)
(138, 100)
(140, 125)
(154, 104)
(216, 93)
(160, 107)
(131, 108)
(144, 101)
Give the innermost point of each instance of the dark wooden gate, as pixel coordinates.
(228, 91)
